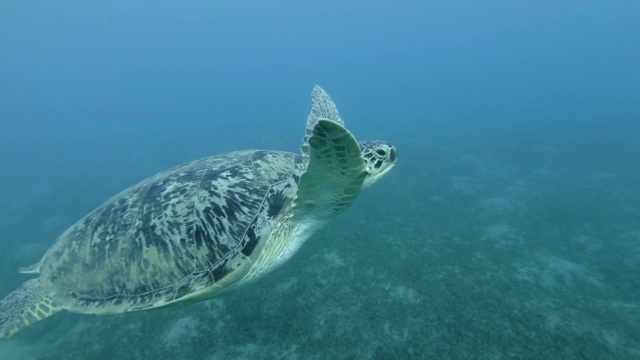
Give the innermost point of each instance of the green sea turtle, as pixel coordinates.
(201, 229)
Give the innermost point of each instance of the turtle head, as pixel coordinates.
(380, 157)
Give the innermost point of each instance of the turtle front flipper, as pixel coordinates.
(23, 307)
(334, 176)
(322, 107)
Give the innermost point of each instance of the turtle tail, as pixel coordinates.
(23, 307)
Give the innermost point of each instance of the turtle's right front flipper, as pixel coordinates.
(23, 307)
(334, 176)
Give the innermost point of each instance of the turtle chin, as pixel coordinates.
(374, 177)
(379, 157)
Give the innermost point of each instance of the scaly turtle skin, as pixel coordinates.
(200, 229)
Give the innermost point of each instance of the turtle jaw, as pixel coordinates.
(373, 178)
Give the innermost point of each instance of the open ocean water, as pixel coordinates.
(509, 228)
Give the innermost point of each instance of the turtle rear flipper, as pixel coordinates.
(23, 307)
(31, 269)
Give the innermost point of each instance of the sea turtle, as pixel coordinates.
(201, 229)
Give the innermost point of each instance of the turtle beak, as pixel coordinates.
(393, 154)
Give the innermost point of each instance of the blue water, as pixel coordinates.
(510, 228)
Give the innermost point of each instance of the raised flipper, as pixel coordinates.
(322, 107)
(334, 175)
(23, 307)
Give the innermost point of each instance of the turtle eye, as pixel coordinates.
(381, 152)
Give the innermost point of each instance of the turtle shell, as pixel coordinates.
(193, 228)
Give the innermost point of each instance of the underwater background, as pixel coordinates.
(509, 229)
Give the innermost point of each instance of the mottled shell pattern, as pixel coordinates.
(169, 237)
